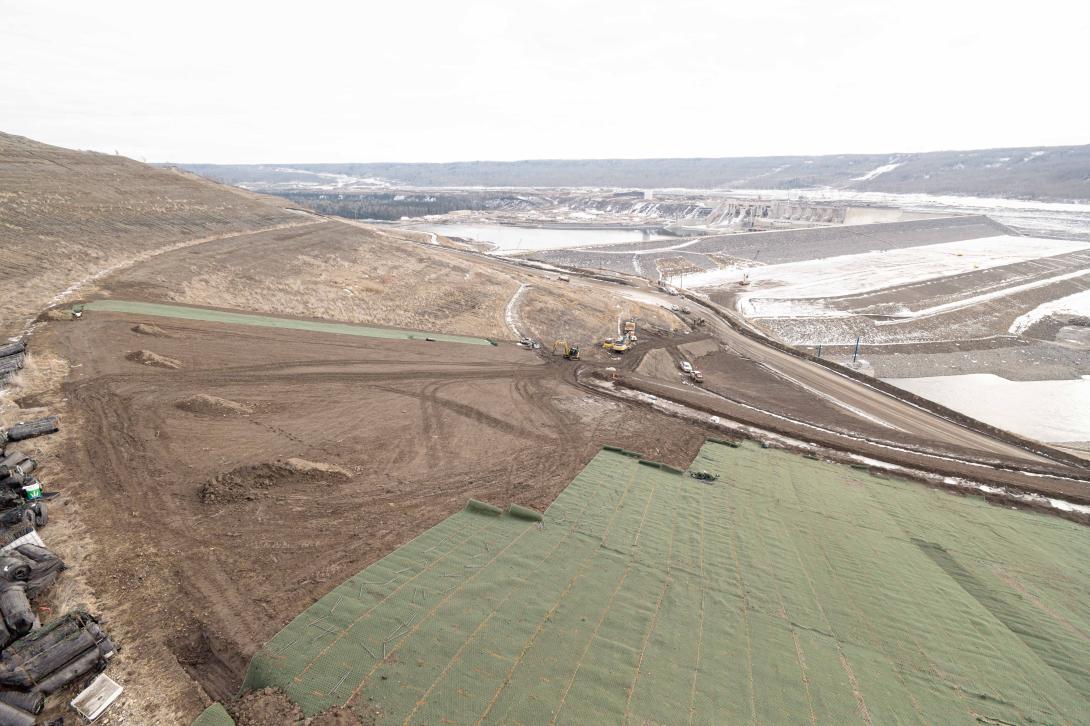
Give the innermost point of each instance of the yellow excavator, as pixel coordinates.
(570, 352)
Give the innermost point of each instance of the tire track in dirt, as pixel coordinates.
(431, 397)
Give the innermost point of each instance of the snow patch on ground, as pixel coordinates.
(645, 297)
(874, 462)
(1050, 411)
(510, 239)
(783, 290)
(1077, 304)
(511, 313)
(1028, 497)
(670, 248)
(879, 171)
(977, 299)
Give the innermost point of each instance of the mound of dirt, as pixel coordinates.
(153, 330)
(658, 364)
(267, 707)
(249, 483)
(202, 403)
(699, 348)
(303, 466)
(148, 358)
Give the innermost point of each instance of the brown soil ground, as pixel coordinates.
(202, 539)
(267, 707)
(657, 363)
(202, 403)
(699, 348)
(149, 358)
(153, 330)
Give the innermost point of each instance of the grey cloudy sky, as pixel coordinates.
(232, 81)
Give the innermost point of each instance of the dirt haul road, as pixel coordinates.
(868, 404)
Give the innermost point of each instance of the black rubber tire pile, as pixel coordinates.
(12, 357)
(48, 659)
(35, 660)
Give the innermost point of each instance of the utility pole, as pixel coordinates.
(855, 356)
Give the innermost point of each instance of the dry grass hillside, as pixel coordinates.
(65, 215)
(338, 271)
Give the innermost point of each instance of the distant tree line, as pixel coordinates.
(1058, 172)
(392, 206)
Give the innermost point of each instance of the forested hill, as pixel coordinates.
(1048, 173)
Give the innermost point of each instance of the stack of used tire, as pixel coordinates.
(35, 660)
(23, 507)
(25, 571)
(30, 429)
(48, 659)
(12, 357)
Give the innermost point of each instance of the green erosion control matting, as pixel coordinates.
(214, 715)
(789, 591)
(265, 321)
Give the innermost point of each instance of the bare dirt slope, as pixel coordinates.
(66, 214)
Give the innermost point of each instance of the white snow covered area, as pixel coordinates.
(879, 171)
(794, 288)
(1050, 411)
(1077, 304)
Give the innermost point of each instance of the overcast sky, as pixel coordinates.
(231, 81)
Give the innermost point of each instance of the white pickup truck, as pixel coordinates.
(686, 366)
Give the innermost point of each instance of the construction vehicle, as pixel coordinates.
(569, 351)
(697, 376)
(630, 330)
(618, 345)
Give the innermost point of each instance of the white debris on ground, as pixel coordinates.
(1049, 411)
(782, 290)
(1077, 304)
